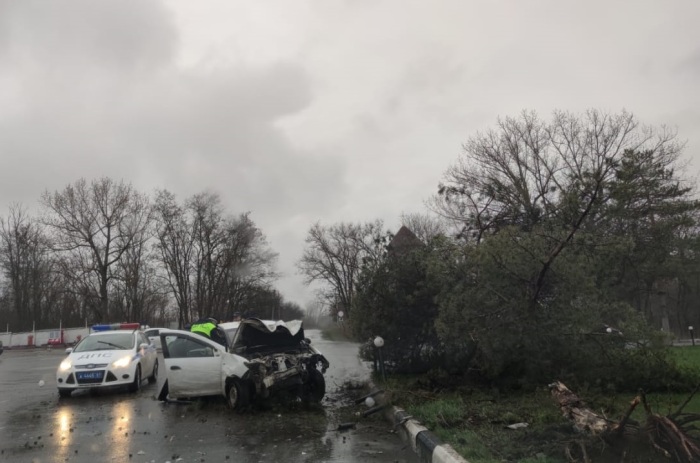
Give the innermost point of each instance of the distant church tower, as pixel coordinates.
(404, 240)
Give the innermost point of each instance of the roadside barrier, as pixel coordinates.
(423, 442)
(426, 444)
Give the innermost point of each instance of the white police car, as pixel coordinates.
(119, 356)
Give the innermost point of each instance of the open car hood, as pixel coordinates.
(255, 334)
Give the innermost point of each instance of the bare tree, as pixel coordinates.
(252, 264)
(528, 172)
(139, 292)
(175, 246)
(231, 257)
(209, 238)
(315, 310)
(97, 222)
(26, 264)
(214, 262)
(335, 255)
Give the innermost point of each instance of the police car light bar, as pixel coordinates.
(116, 326)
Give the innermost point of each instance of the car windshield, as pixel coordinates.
(151, 333)
(230, 333)
(109, 341)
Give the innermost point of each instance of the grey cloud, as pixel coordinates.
(690, 66)
(93, 110)
(116, 34)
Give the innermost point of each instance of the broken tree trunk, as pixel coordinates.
(666, 435)
(573, 408)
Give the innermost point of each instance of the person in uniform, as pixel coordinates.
(209, 327)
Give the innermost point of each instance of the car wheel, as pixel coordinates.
(136, 384)
(154, 376)
(315, 387)
(64, 392)
(238, 394)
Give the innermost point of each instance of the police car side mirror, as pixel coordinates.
(69, 350)
(143, 346)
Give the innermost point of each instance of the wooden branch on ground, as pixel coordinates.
(668, 436)
(573, 408)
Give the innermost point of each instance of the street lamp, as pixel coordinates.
(692, 336)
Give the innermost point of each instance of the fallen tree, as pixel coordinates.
(671, 435)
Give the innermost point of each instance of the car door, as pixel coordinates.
(192, 364)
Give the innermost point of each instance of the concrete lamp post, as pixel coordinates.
(379, 344)
(692, 336)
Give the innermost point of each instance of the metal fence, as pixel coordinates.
(38, 338)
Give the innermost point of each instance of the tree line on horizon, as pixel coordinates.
(100, 251)
(548, 250)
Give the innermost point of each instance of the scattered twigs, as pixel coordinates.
(619, 428)
(690, 397)
(672, 440)
(685, 419)
(666, 434)
(584, 453)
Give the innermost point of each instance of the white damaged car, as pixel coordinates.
(108, 359)
(263, 357)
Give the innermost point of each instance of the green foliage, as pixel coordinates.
(562, 335)
(474, 420)
(568, 228)
(396, 301)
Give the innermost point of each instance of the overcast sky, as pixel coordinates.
(326, 110)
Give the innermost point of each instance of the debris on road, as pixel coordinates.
(346, 426)
(371, 394)
(517, 426)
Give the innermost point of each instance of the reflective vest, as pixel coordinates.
(203, 328)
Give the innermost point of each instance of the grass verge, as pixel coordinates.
(475, 421)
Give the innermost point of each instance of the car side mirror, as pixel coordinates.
(144, 346)
(307, 340)
(69, 350)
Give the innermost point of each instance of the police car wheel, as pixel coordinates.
(154, 376)
(136, 385)
(64, 392)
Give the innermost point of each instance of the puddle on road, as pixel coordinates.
(116, 426)
(123, 427)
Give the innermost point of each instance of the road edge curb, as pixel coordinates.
(423, 442)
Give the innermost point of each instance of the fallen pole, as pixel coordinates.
(372, 410)
(371, 394)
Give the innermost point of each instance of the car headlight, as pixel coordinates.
(122, 362)
(65, 365)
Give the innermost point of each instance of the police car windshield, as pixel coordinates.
(110, 341)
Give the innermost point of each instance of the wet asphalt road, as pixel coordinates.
(118, 426)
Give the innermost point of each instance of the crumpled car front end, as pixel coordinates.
(279, 357)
